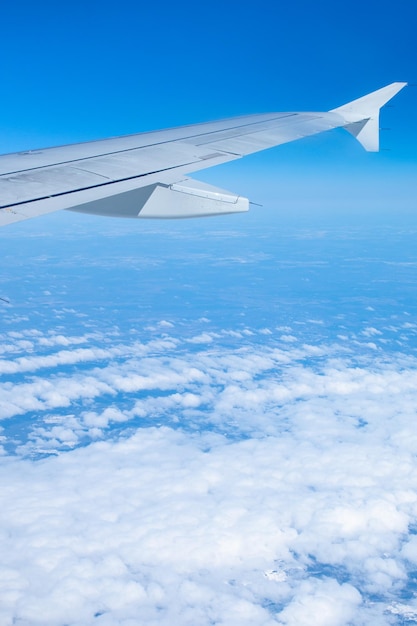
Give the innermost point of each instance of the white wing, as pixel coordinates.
(145, 175)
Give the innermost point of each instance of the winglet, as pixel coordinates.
(362, 115)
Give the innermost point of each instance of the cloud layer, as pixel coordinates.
(211, 424)
(261, 483)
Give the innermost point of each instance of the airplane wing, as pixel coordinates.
(146, 175)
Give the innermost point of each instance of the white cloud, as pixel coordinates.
(327, 603)
(288, 338)
(369, 331)
(202, 338)
(164, 524)
(165, 324)
(284, 487)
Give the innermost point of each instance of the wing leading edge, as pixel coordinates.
(146, 175)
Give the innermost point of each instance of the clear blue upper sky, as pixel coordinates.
(84, 70)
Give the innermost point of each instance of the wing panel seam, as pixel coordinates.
(150, 145)
(110, 182)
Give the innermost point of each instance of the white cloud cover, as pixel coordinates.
(278, 484)
(165, 527)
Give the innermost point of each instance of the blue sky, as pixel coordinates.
(82, 71)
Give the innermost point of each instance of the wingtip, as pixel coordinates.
(373, 101)
(362, 115)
